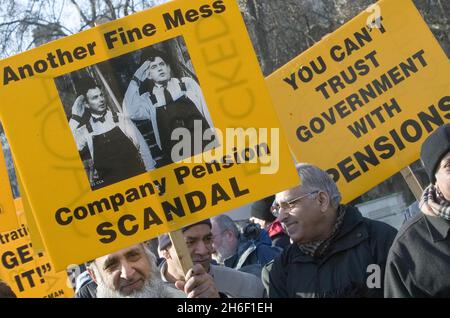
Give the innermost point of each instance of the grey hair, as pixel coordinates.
(224, 222)
(313, 178)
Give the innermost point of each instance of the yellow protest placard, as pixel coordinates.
(8, 218)
(29, 274)
(141, 126)
(361, 101)
(25, 216)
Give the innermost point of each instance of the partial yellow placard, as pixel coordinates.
(361, 101)
(23, 266)
(8, 218)
(29, 274)
(81, 213)
(26, 216)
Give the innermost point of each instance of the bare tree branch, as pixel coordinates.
(82, 15)
(125, 7)
(93, 10)
(24, 22)
(111, 9)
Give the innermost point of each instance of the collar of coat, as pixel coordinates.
(318, 249)
(352, 233)
(438, 227)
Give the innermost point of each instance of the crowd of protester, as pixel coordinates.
(301, 242)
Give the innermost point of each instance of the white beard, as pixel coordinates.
(153, 288)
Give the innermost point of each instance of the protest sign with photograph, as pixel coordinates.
(141, 126)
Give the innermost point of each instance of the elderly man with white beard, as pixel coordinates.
(130, 273)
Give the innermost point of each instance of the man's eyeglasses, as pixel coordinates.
(289, 205)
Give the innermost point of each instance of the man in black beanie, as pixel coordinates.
(261, 214)
(419, 260)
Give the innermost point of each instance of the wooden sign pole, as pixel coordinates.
(181, 250)
(412, 182)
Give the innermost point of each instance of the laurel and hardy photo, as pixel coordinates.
(128, 113)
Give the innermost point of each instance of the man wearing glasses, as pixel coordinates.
(336, 252)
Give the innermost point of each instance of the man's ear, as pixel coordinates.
(437, 189)
(86, 103)
(324, 201)
(229, 235)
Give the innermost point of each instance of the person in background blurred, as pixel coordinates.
(261, 213)
(248, 251)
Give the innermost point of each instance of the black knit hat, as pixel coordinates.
(261, 209)
(434, 148)
(164, 240)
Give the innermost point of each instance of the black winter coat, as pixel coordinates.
(353, 266)
(419, 261)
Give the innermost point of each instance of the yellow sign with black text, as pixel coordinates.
(141, 126)
(29, 274)
(361, 101)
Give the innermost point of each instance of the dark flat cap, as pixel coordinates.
(434, 148)
(261, 209)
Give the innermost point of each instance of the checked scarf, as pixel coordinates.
(433, 202)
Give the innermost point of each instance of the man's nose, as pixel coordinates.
(127, 271)
(203, 248)
(282, 214)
